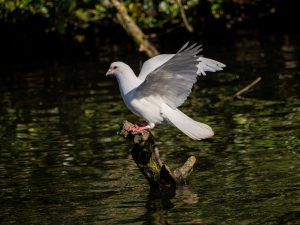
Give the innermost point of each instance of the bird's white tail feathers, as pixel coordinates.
(190, 127)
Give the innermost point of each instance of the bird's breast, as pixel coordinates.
(147, 108)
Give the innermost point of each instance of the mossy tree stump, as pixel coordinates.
(146, 155)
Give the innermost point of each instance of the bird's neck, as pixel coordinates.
(127, 82)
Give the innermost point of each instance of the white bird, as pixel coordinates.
(164, 83)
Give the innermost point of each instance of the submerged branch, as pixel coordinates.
(146, 155)
(239, 93)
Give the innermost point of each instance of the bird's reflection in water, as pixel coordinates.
(160, 203)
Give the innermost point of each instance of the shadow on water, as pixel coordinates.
(61, 161)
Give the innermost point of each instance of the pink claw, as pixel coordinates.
(139, 127)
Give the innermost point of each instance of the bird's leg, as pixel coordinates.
(139, 127)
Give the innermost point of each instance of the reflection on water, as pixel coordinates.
(61, 161)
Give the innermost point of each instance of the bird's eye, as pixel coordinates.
(115, 67)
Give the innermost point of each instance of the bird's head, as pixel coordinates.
(116, 68)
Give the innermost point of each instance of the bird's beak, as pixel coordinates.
(109, 72)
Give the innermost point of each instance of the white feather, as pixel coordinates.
(153, 63)
(210, 65)
(190, 127)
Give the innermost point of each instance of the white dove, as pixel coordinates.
(164, 83)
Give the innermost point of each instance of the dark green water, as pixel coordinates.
(61, 161)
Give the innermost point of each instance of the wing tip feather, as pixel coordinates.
(193, 49)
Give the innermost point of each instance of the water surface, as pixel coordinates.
(61, 161)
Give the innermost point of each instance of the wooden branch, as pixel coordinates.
(133, 29)
(245, 89)
(146, 155)
(182, 172)
(186, 23)
(239, 93)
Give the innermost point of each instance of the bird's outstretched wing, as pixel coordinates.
(173, 80)
(152, 64)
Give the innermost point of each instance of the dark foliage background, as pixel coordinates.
(48, 28)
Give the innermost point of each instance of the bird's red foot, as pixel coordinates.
(139, 127)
